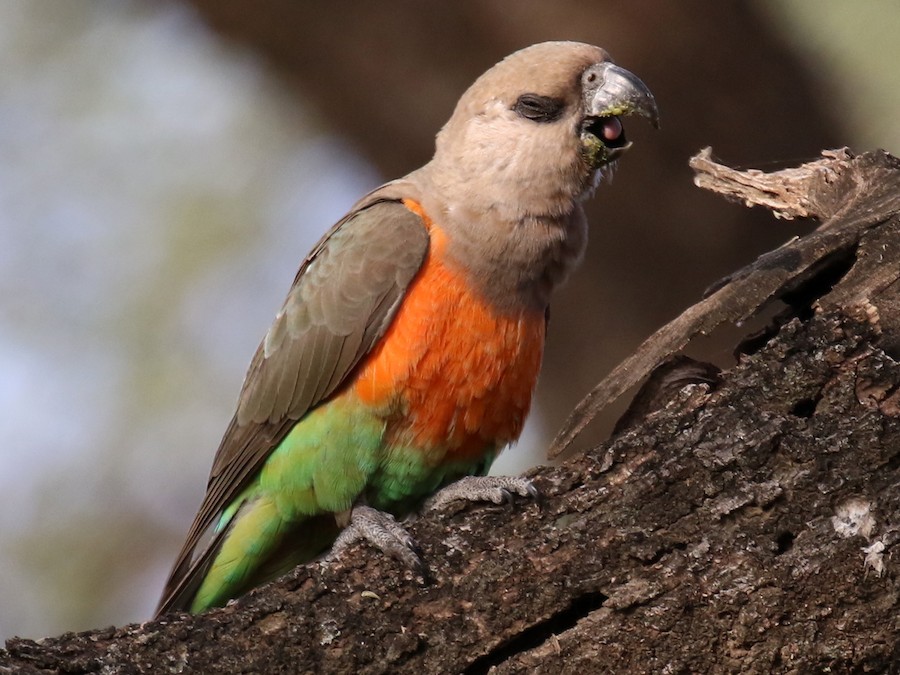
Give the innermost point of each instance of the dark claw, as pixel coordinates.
(508, 497)
(536, 496)
(407, 555)
(418, 567)
(415, 562)
(423, 573)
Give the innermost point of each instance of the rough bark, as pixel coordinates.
(745, 525)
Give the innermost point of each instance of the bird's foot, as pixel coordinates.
(496, 489)
(382, 531)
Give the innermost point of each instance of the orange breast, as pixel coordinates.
(452, 374)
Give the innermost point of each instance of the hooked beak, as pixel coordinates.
(611, 92)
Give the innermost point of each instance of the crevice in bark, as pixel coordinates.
(818, 281)
(805, 408)
(537, 635)
(784, 541)
(665, 551)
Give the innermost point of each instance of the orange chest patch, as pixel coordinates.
(453, 373)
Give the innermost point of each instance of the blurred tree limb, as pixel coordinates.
(744, 524)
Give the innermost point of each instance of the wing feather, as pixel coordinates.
(343, 298)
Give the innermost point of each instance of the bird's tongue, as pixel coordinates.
(610, 129)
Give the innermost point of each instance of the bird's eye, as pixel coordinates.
(538, 108)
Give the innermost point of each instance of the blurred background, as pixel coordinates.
(165, 166)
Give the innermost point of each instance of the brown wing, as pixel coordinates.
(343, 299)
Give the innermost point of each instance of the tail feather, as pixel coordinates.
(256, 546)
(255, 530)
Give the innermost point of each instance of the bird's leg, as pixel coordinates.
(496, 489)
(382, 531)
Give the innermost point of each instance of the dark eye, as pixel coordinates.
(538, 108)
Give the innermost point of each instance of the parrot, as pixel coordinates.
(407, 351)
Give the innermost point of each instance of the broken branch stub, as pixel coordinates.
(856, 200)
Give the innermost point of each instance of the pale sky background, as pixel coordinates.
(158, 189)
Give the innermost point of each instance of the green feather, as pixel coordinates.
(336, 454)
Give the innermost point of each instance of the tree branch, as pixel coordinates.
(851, 196)
(746, 524)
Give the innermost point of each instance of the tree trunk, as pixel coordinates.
(740, 523)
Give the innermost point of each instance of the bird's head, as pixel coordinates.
(526, 144)
(544, 122)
